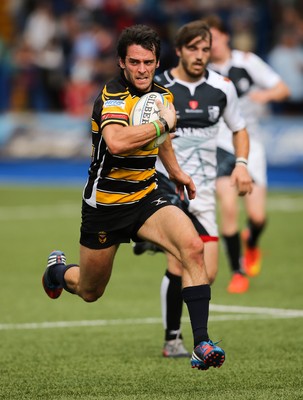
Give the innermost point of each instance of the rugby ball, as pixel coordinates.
(146, 111)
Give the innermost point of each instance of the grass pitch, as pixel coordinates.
(67, 349)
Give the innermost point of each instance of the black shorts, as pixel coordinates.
(106, 226)
(226, 163)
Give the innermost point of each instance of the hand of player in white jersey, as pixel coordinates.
(169, 114)
(184, 180)
(241, 179)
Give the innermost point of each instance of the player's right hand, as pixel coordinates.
(241, 179)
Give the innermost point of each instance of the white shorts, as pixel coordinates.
(203, 207)
(201, 210)
(257, 162)
(257, 156)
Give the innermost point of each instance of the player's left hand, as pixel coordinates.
(169, 114)
(242, 180)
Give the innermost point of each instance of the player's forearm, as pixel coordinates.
(241, 143)
(121, 139)
(168, 158)
(278, 93)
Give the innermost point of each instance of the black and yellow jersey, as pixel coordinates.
(121, 179)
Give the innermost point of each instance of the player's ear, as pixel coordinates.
(121, 63)
(158, 63)
(178, 52)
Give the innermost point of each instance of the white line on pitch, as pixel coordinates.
(234, 313)
(256, 310)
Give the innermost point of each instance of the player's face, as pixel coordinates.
(139, 67)
(219, 46)
(194, 56)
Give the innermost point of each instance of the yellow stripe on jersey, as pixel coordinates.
(107, 198)
(124, 178)
(95, 127)
(131, 175)
(107, 95)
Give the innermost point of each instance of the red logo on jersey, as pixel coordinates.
(193, 104)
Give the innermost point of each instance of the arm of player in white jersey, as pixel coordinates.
(176, 174)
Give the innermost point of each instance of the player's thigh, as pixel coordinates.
(96, 267)
(226, 193)
(172, 229)
(211, 250)
(228, 205)
(255, 204)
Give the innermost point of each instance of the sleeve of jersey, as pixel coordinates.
(232, 114)
(261, 73)
(114, 111)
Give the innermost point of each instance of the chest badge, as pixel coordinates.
(213, 112)
(193, 104)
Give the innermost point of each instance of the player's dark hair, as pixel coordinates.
(214, 21)
(190, 31)
(141, 35)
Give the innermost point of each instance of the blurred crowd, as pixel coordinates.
(56, 54)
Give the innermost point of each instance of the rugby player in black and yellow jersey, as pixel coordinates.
(122, 201)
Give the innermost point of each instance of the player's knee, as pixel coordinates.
(258, 220)
(195, 248)
(91, 296)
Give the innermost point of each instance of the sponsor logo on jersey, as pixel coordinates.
(213, 112)
(190, 110)
(114, 103)
(193, 104)
(206, 133)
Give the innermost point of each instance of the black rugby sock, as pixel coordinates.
(197, 300)
(255, 231)
(232, 246)
(172, 302)
(57, 272)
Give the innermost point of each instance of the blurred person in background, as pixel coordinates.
(286, 57)
(6, 76)
(40, 61)
(201, 98)
(257, 85)
(91, 62)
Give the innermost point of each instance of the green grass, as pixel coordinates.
(123, 360)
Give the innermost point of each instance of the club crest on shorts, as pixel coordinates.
(102, 237)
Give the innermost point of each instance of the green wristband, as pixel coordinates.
(158, 131)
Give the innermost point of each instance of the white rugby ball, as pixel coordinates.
(146, 111)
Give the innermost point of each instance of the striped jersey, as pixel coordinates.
(115, 180)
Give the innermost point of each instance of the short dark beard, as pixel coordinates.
(189, 73)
